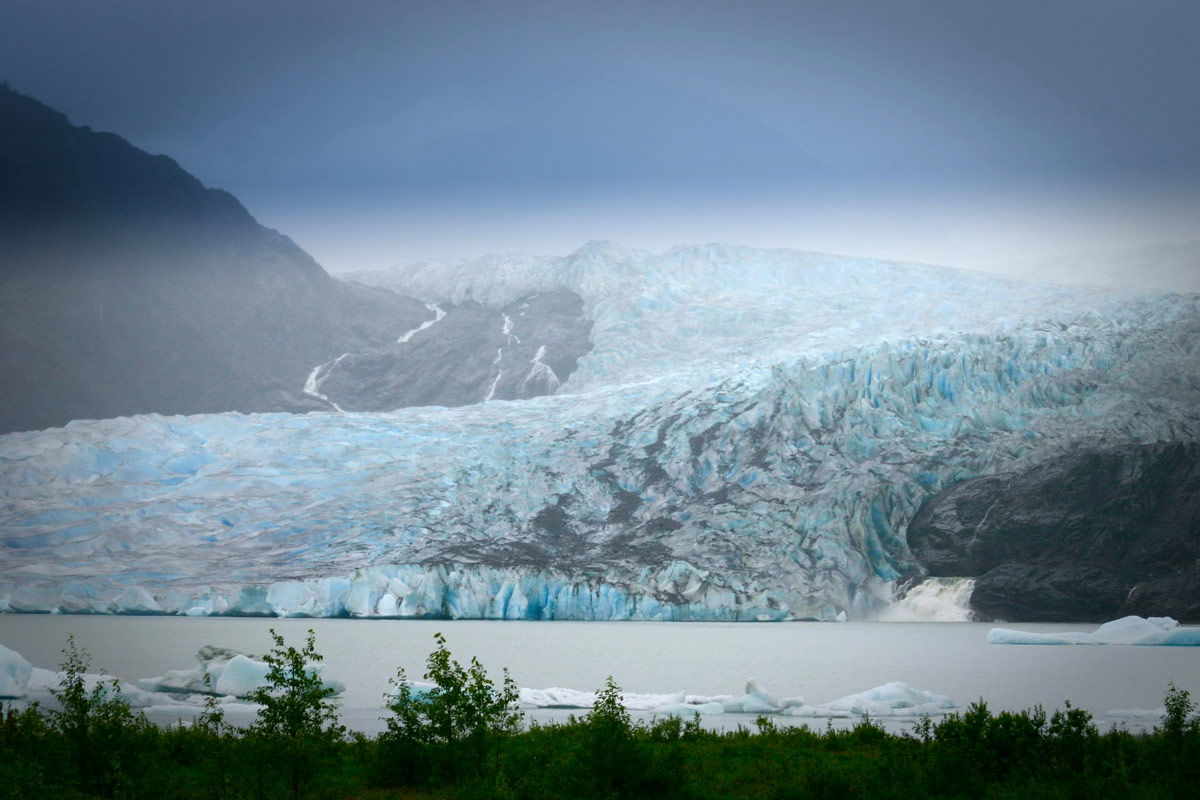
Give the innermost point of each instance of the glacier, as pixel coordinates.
(746, 441)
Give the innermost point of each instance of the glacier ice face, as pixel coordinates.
(1131, 630)
(746, 441)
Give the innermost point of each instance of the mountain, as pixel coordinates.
(127, 287)
(749, 437)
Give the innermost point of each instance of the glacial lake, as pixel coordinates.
(819, 661)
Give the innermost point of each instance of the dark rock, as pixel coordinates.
(466, 357)
(1064, 593)
(1087, 536)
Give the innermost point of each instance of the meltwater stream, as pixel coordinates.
(817, 661)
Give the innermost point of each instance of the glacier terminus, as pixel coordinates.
(747, 439)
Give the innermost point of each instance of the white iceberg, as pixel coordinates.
(1131, 630)
(894, 699)
(228, 673)
(43, 682)
(14, 673)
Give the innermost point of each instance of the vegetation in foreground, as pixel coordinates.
(465, 739)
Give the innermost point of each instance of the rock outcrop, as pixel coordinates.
(1093, 535)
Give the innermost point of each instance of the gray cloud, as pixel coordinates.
(642, 119)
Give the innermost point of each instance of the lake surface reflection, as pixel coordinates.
(820, 661)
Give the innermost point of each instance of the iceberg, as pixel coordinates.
(894, 699)
(1131, 630)
(222, 672)
(14, 673)
(746, 441)
(42, 681)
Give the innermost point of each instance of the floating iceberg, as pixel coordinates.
(893, 699)
(14, 673)
(890, 700)
(1132, 630)
(222, 672)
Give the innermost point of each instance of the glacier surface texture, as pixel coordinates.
(747, 440)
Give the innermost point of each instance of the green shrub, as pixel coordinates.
(451, 731)
(297, 725)
(30, 754)
(99, 731)
(612, 754)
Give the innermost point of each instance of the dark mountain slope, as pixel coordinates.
(1092, 535)
(126, 287)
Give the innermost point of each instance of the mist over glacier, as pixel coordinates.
(747, 439)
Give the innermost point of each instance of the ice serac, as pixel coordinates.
(747, 439)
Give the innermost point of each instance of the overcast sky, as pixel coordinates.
(375, 133)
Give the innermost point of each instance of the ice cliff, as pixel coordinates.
(747, 440)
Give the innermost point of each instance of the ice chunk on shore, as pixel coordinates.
(1131, 630)
(14, 673)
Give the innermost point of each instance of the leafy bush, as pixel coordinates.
(97, 727)
(453, 729)
(1180, 717)
(612, 754)
(298, 723)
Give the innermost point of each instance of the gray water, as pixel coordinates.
(820, 661)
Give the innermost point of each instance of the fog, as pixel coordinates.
(988, 234)
(977, 135)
